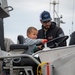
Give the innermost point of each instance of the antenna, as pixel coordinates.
(73, 16)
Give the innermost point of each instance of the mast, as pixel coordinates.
(54, 11)
(56, 19)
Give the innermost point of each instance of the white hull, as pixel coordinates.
(62, 59)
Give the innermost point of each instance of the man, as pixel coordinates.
(49, 29)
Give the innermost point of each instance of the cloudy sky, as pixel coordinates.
(26, 13)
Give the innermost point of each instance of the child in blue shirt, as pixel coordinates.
(32, 40)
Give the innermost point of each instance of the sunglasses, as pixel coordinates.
(46, 21)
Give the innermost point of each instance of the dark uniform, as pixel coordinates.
(53, 32)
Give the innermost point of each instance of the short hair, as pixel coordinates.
(29, 30)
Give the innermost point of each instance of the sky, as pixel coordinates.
(26, 13)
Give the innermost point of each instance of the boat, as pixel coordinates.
(54, 61)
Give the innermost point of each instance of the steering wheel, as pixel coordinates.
(57, 41)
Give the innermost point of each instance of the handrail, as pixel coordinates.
(20, 55)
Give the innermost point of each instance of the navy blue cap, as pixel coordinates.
(45, 16)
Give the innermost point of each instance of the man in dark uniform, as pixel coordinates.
(49, 29)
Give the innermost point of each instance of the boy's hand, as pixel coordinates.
(40, 47)
(44, 41)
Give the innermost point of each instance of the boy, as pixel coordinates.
(31, 40)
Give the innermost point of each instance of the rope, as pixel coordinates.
(39, 68)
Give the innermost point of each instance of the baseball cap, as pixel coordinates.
(45, 16)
